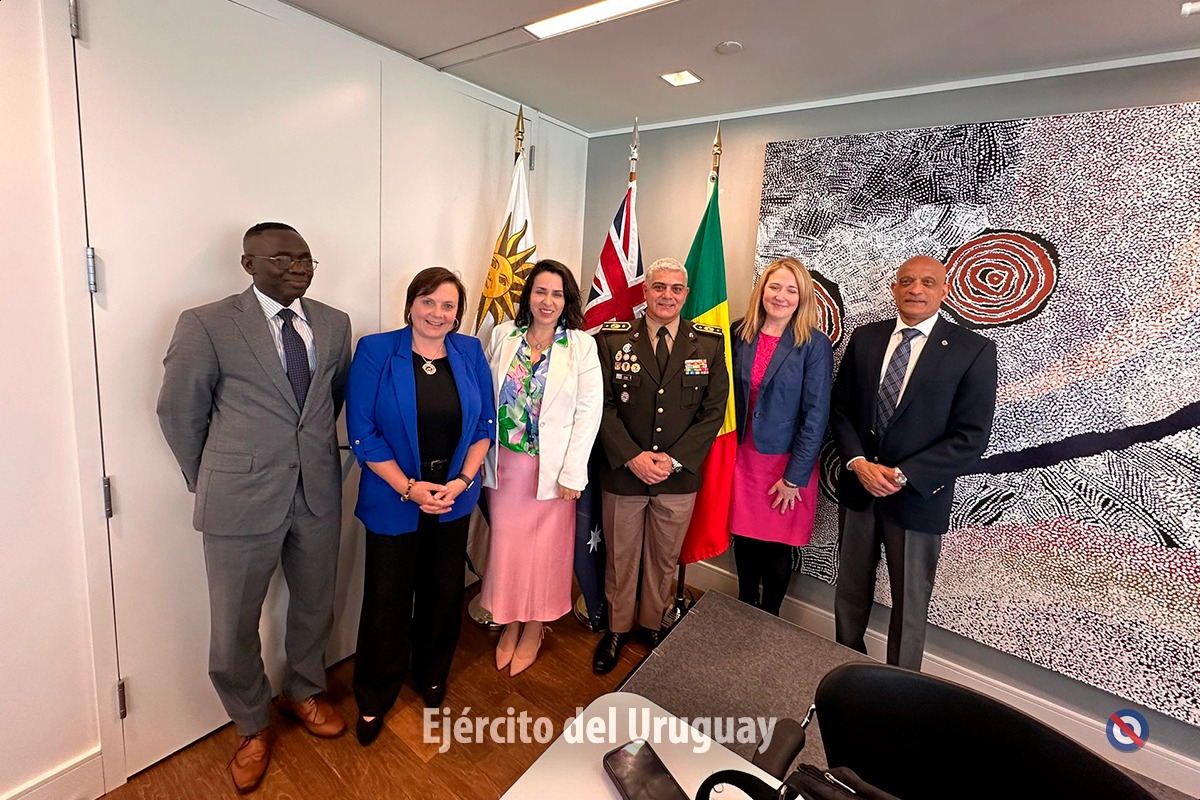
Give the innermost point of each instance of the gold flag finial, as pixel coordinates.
(716, 165)
(633, 152)
(519, 133)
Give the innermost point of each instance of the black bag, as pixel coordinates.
(806, 783)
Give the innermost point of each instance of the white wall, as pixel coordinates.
(672, 168)
(50, 708)
(446, 171)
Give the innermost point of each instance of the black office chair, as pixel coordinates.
(923, 738)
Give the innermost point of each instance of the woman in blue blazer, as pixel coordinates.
(782, 374)
(421, 416)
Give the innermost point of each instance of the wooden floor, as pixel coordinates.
(399, 764)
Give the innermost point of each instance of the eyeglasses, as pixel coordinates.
(287, 262)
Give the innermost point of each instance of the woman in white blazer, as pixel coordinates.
(549, 396)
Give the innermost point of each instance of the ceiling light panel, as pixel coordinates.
(682, 78)
(596, 13)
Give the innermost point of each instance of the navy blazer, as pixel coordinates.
(939, 429)
(381, 421)
(792, 408)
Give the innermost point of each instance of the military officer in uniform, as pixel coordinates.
(665, 387)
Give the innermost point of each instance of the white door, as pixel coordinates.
(199, 119)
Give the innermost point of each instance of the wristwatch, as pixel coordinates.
(676, 466)
(901, 478)
(462, 476)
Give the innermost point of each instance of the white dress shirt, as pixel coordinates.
(915, 347)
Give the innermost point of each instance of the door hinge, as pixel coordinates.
(73, 7)
(532, 153)
(106, 483)
(122, 708)
(90, 254)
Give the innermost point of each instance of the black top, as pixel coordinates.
(439, 412)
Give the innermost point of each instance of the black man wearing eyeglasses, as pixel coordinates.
(252, 389)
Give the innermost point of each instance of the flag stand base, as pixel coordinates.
(581, 612)
(685, 598)
(481, 615)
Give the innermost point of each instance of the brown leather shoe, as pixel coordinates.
(249, 762)
(317, 715)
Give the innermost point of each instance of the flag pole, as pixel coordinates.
(716, 150)
(519, 134)
(475, 609)
(683, 603)
(581, 609)
(633, 152)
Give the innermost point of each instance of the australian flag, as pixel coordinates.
(616, 295)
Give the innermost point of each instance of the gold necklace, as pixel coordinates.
(429, 368)
(535, 344)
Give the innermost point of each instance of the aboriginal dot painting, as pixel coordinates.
(1074, 243)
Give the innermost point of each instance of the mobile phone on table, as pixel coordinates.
(640, 774)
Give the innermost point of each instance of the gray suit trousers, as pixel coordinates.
(239, 571)
(912, 558)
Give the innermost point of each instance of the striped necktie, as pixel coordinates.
(893, 379)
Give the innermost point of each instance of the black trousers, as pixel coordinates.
(765, 563)
(411, 611)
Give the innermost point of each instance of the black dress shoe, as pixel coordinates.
(434, 695)
(368, 731)
(608, 651)
(654, 636)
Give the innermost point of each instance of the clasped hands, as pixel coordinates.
(651, 468)
(436, 498)
(877, 479)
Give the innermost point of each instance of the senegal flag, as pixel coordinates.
(708, 303)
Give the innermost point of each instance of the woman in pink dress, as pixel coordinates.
(782, 373)
(549, 398)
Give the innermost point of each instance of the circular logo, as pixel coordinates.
(1127, 730)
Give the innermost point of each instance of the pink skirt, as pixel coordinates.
(532, 548)
(750, 512)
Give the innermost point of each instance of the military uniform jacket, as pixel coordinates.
(678, 412)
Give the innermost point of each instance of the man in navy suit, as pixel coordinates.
(911, 410)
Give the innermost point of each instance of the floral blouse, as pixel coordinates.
(521, 396)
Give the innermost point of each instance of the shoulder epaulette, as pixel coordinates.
(711, 329)
(615, 327)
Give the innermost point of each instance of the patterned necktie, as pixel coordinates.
(661, 353)
(893, 379)
(296, 355)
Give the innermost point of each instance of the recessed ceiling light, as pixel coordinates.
(594, 14)
(729, 48)
(681, 78)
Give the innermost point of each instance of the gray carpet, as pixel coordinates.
(777, 667)
(727, 659)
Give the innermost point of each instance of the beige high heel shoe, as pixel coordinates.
(507, 644)
(522, 657)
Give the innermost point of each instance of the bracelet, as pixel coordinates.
(789, 484)
(407, 489)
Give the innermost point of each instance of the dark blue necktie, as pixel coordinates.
(893, 379)
(296, 355)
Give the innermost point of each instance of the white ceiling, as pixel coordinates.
(796, 51)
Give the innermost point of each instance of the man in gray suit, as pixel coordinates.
(252, 390)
